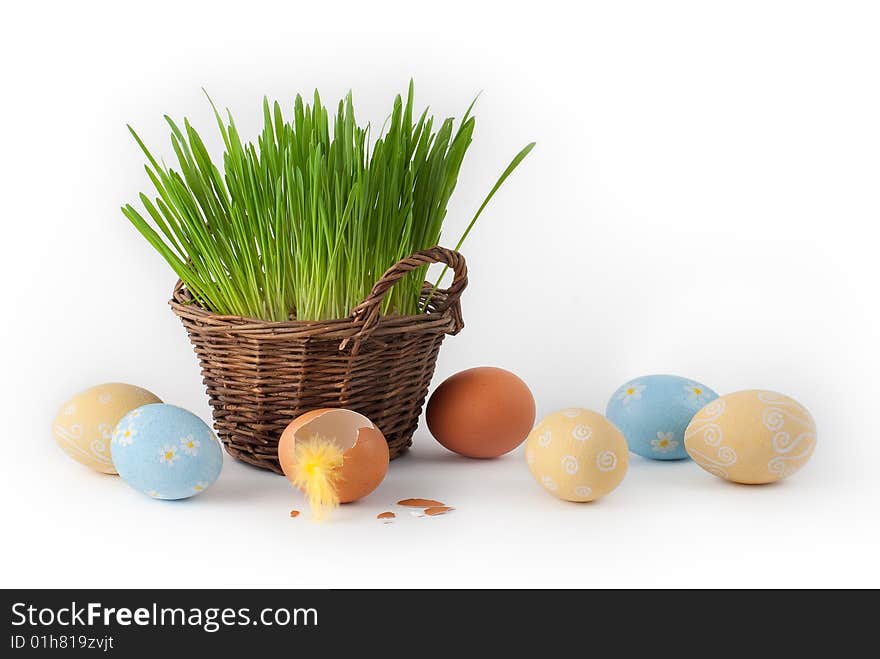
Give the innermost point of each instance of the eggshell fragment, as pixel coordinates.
(365, 451)
(386, 515)
(419, 503)
(437, 510)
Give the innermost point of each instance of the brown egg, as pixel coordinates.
(364, 457)
(481, 412)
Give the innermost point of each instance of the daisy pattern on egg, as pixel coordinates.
(190, 445)
(168, 455)
(696, 394)
(664, 442)
(125, 436)
(650, 403)
(630, 392)
(173, 456)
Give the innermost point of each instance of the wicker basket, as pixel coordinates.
(260, 375)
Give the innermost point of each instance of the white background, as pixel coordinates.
(703, 200)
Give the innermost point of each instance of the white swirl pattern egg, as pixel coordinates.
(586, 459)
(84, 426)
(751, 437)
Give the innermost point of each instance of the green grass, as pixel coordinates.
(303, 222)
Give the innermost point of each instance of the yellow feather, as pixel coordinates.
(316, 471)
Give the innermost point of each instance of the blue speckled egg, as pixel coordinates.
(653, 412)
(166, 452)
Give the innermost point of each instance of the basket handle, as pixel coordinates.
(367, 312)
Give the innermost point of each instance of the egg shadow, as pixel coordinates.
(245, 482)
(687, 475)
(433, 458)
(428, 451)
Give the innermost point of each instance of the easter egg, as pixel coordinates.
(653, 411)
(751, 437)
(84, 426)
(166, 452)
(482, 412)
(577, 454)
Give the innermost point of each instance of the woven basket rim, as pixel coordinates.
(340, 329)
(443, 314)
(183, 300)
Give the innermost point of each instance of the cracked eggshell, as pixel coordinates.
(84, 425)
(577, 454)
(365, 451)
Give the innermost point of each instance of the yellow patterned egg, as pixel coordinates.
(577, 454)
(751, 437)
(84, 426)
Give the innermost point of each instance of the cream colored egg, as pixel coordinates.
(577, 454)
(751, 437)
(84, 426)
